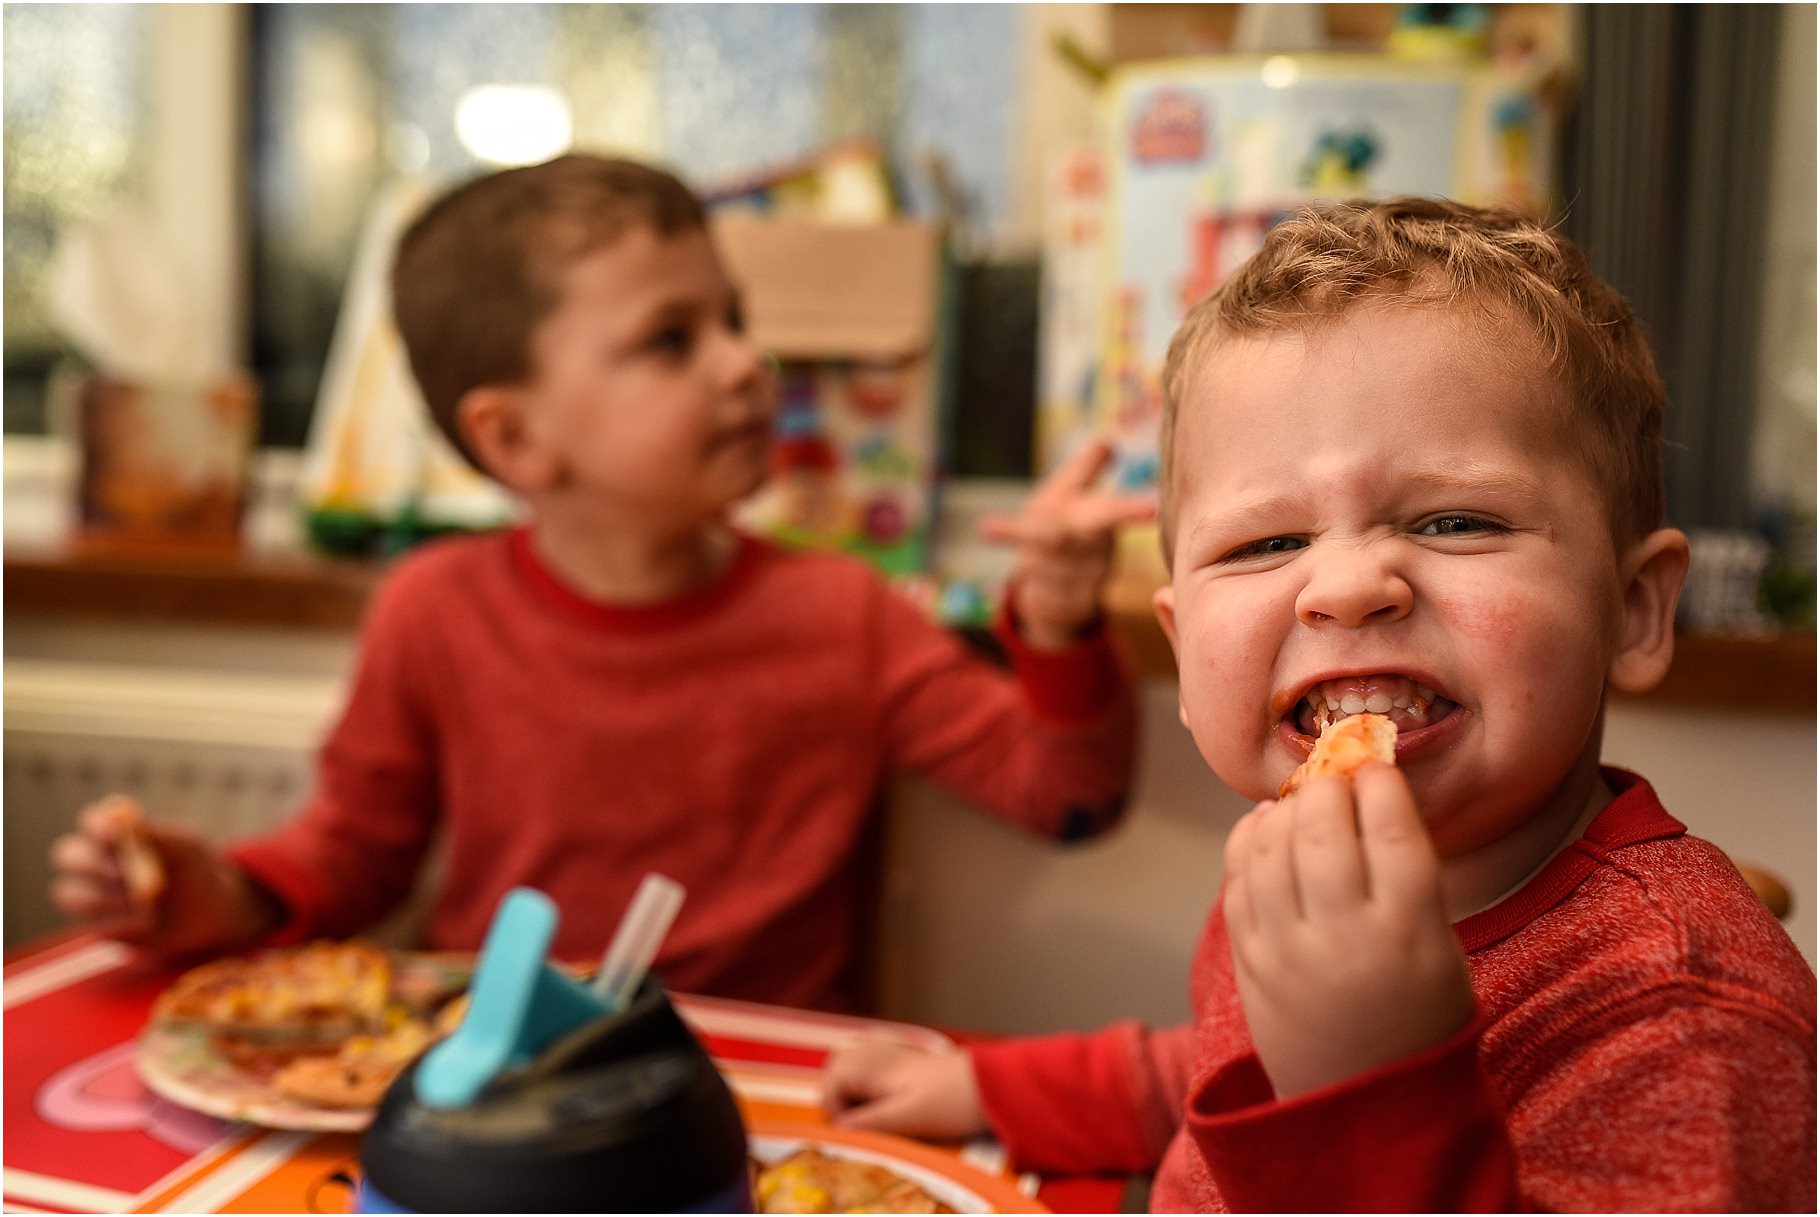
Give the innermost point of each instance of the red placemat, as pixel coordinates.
(84, 1135)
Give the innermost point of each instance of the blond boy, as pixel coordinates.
(628, 683)
(1412, 464)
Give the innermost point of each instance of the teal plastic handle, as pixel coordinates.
(517, 1006)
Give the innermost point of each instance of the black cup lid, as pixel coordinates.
(632, 1118)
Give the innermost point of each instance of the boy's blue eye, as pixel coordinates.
(1265, 548)
(1460, 524)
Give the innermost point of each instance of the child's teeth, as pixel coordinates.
(1411, 702)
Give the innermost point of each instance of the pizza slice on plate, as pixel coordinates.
(320, 994)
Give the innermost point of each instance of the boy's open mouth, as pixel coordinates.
(1406, 702)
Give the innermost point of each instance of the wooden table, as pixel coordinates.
(84, 1136)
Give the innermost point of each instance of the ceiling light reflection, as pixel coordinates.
(513, 124)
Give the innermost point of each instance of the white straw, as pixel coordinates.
(635, 943)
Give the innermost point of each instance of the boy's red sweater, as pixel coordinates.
(739, 740)
(1645, 1041)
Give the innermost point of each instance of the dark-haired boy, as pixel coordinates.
(629, 683)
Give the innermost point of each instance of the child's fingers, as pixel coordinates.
(1236, 901)
(1098, 514)
(1270, 868)
(857, 1073)
(1082, 468)
(79, 856)
(1083, 523)
(1059, 579)
(1399, 857)
(1029, 528)
(87, 899)
(890, 1113)
(103, 820)
(1329, 865)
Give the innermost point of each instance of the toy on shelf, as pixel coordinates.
(1202, 157)
(852, 314)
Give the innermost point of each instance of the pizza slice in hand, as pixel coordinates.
(1343, 747)
(141, 868)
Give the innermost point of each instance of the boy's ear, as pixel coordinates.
(1163, 601)
(494, 424)
(1652, 573)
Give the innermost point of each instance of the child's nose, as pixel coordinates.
(743, 364)
(1353, 589)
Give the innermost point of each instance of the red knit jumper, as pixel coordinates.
(738, 739)
(1644, 1041)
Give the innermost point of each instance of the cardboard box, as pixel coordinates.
(853, 315)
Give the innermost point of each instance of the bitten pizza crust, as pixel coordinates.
(1343, 747)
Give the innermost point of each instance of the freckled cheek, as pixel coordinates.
(1527, 650)
(1507, 616)
(1486, 622)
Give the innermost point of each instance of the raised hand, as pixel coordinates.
(889, 1086)
(1064, 535)
(1341, 946)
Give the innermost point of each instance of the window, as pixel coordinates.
(349, 97)
(75, 104)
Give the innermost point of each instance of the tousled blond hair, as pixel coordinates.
(1324, 261)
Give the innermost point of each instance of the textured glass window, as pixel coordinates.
(75, 106)
(349, 97)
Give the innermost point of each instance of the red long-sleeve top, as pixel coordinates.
(738, 739)
(1644, 1041)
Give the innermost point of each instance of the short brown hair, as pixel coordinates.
(477, 271)
(1323, 261)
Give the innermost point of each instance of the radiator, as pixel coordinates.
(227, 752)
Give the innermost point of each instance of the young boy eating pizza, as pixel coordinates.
(629, 683)
(1413, 468)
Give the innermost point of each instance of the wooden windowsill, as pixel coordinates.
(300, 591)
(1772, 675)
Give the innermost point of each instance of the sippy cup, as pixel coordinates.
(548, 1099)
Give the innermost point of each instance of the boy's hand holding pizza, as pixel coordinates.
(1341, 946)
(1064, 535)
(157, 886)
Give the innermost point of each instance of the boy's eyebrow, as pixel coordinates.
(683, 308)
(1465, 477)
(1475, 475)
